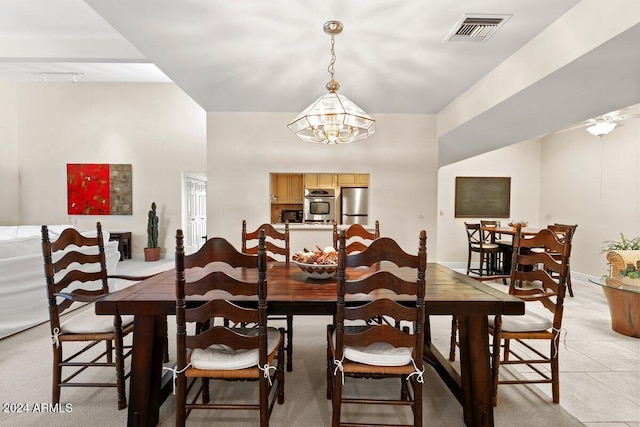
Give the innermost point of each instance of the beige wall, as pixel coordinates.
(520, 161)
(570, 177)
(161, 132)
(9, 166)
(401, 158)
(154, 127)
(593, 182)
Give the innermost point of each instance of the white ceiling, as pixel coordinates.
(256, 55)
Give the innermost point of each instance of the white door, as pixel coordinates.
(196, 212)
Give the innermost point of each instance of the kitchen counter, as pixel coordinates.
(310, 226)
(309, 235)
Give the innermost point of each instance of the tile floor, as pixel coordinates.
(600, 369)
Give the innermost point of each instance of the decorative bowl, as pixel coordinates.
(318, 271)
(515, 223)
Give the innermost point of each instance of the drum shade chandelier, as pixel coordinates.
(332, 118)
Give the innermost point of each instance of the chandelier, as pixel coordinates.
(332, 118)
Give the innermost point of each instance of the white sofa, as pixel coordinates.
(23, 297)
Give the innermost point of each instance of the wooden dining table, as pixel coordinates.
(291, 291)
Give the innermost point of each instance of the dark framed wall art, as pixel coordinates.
(483, 197)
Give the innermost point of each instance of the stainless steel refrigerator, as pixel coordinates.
(354, 205)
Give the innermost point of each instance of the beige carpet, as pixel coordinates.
(25, 369)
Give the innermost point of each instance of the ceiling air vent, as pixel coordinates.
(476, 28)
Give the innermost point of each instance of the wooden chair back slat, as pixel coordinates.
(71, 236)
(357, 236)
(276, 242)
(380, 279)
(78, 257)
(389, 307)
(385, 249)
(224, 282)
(218, 249)
(76, 276)
(221, 308)
(219, 335)
(379, 333)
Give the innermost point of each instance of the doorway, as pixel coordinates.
(195, 211)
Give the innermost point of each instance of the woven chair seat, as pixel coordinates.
(351, 367)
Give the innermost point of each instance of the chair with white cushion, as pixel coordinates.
(76, 272)
(391, 349)
(277, 246)
(540, 279)
(213, 351)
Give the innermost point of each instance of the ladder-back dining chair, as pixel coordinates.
(357, 236)
(277, 246)
(540, 280)
(560, 230)
(75, 269)
(214, 351)
(391, 349)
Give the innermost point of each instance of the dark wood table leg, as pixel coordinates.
(145, 389)
(475, 370)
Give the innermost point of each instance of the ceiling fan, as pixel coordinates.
(602, 125)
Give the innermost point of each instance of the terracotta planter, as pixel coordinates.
(152, 254)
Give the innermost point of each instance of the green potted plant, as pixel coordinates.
(623, 256)
(152, 251)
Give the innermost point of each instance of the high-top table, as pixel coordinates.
(507, 247)
(290, 291)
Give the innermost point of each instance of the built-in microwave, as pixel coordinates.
(319, 205)
(293, 216)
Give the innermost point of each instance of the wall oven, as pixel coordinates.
(319, 205)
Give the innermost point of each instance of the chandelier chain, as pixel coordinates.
(331, 68)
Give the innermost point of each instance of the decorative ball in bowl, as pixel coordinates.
(319, 264)
(318, 271)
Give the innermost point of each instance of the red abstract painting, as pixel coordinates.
(98, 189)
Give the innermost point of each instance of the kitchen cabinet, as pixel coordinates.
(287, 188)
(319, 180)
(296, 188)
(353, 180)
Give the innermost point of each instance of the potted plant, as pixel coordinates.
(152, 251)
(623, 256)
